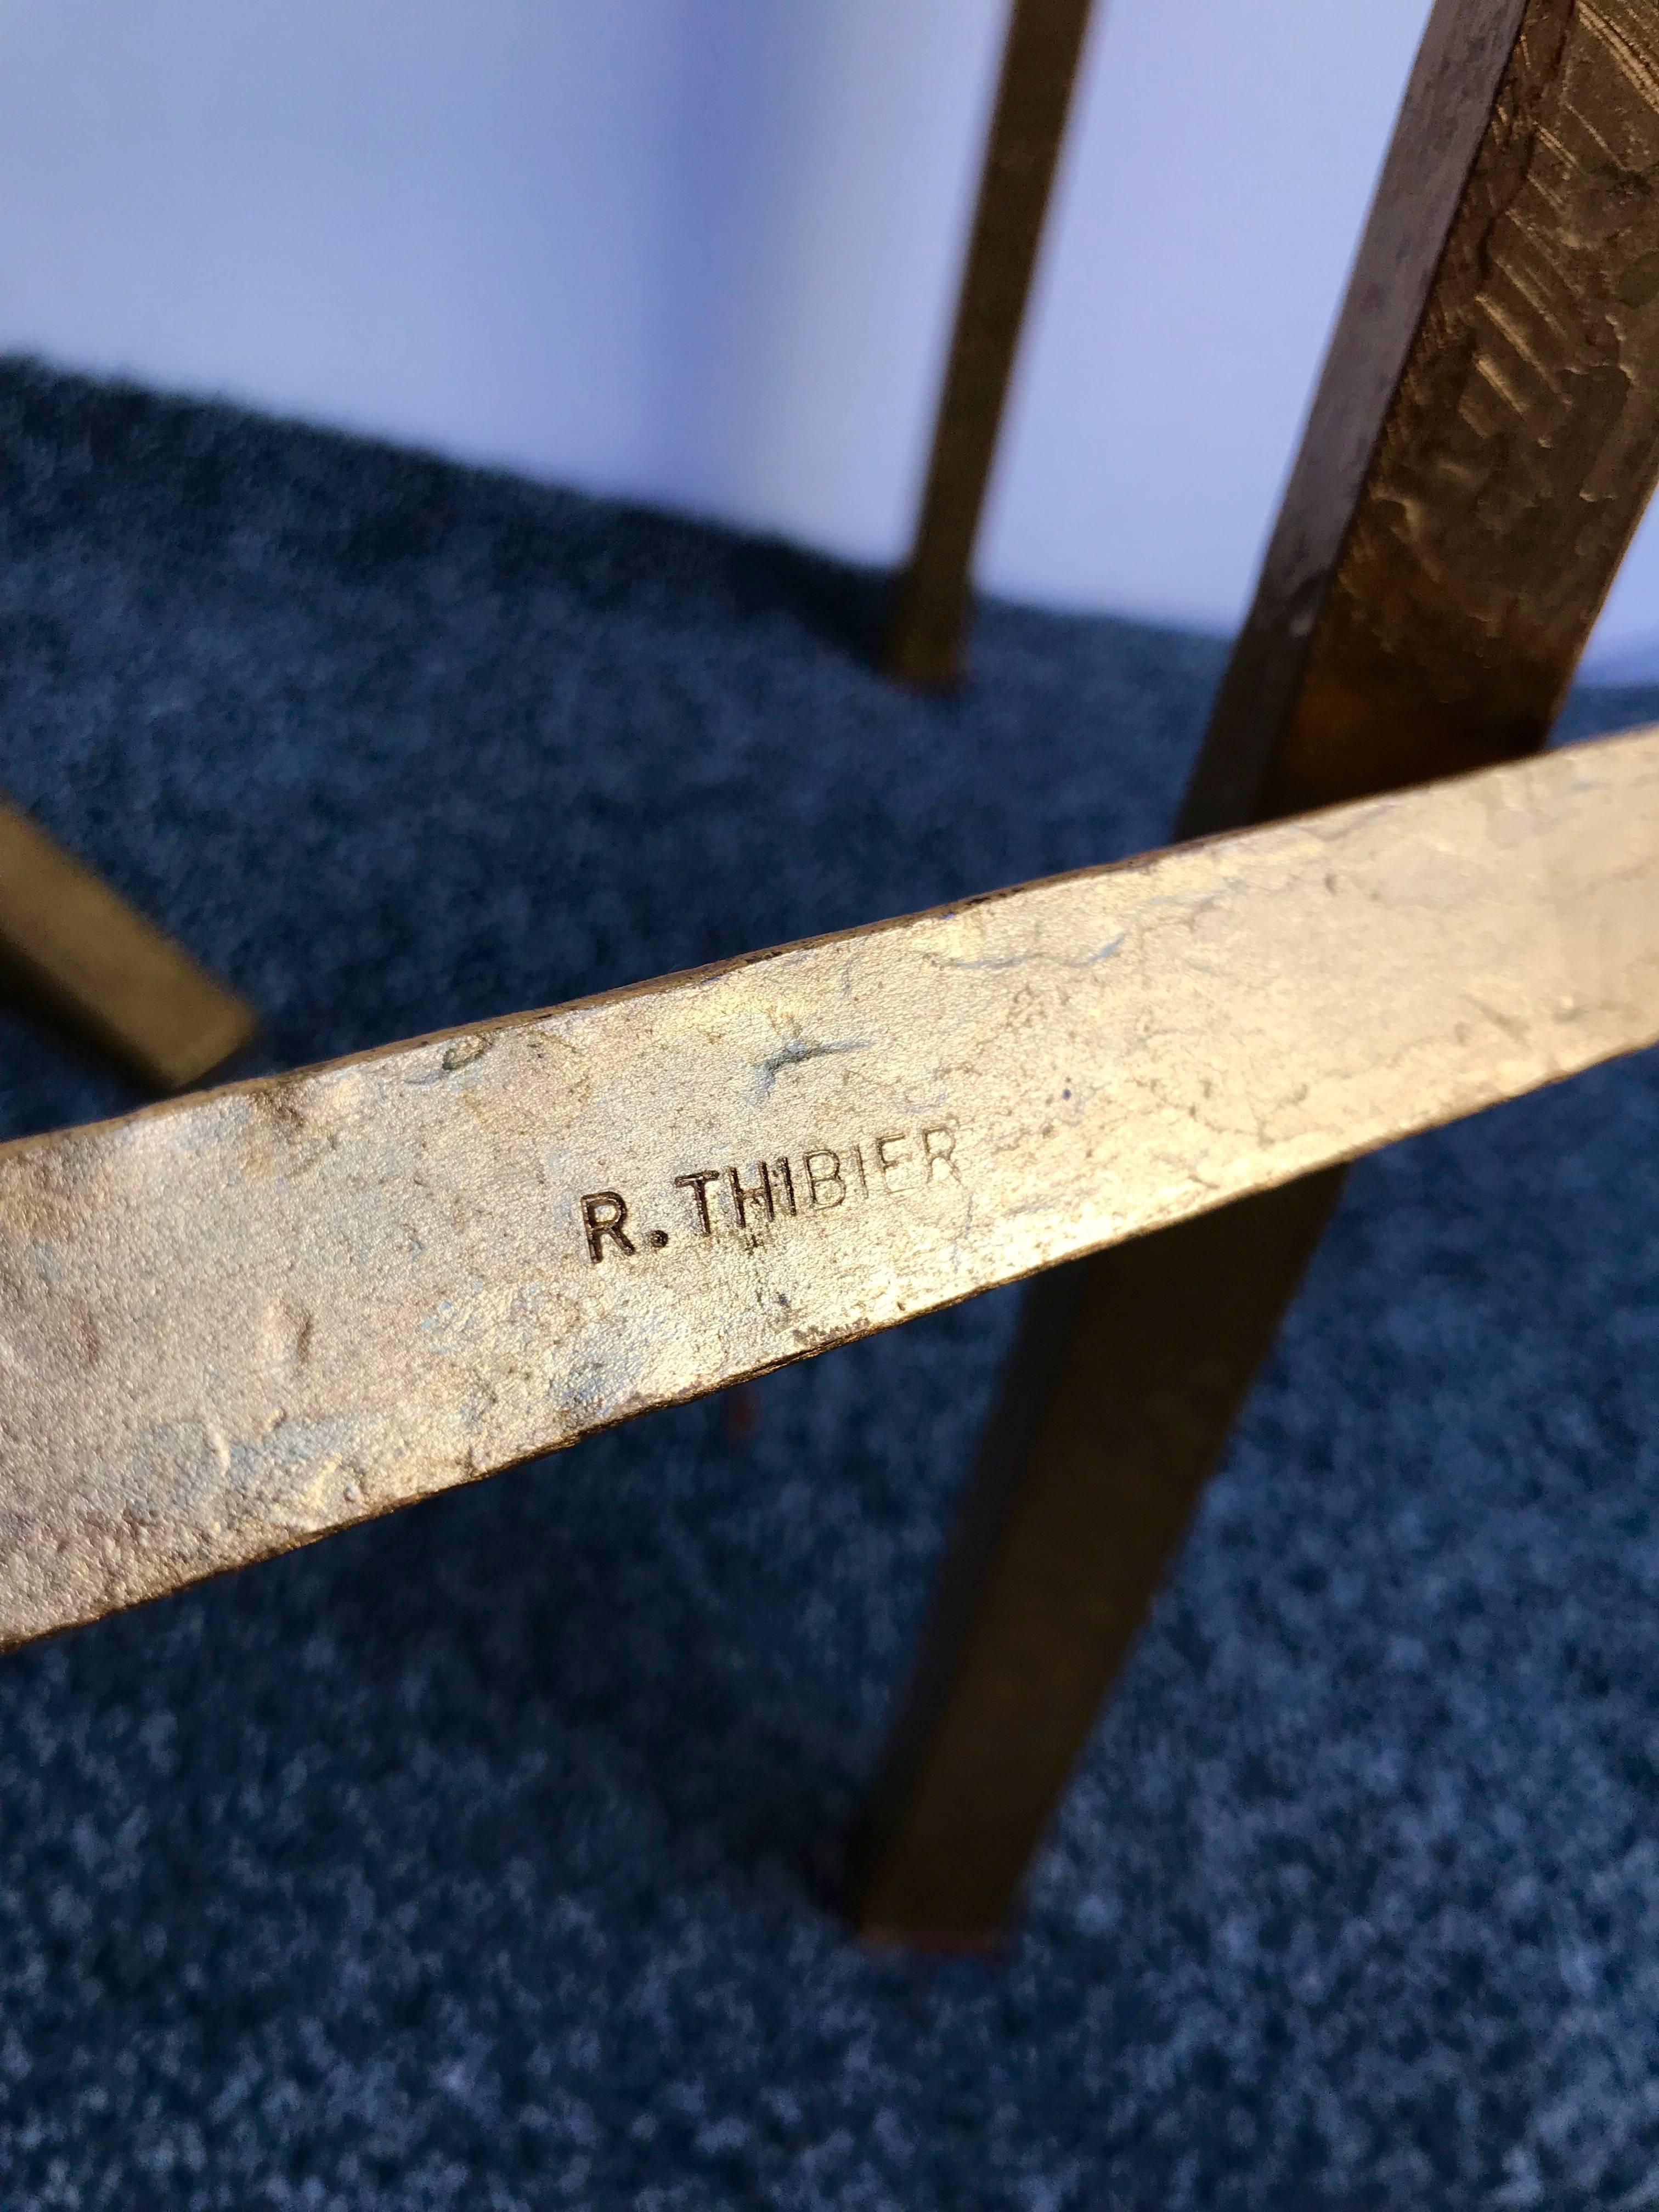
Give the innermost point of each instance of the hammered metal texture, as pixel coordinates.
(233, 1323)
(1429, 619)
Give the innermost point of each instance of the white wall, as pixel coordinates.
(703, 251)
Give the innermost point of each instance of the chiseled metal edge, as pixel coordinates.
(1451, 115)
(233, 1323)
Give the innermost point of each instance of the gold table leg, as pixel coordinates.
(1151, 1345)
(1039, 62)
(1484, 440)
(77, 945)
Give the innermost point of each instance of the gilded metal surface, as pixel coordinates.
(1034, 92)
(1427, 618)
(92, 958)
(1483, 438)
(233, 1323)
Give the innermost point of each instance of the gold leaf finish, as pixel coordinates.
(233, 1323)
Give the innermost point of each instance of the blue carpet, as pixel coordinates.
(482, 1858)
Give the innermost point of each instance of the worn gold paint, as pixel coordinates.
(231, 1324)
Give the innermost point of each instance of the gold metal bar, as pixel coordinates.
(77, 946)
(235, 1322)
(1034, 93)
(1483, 441)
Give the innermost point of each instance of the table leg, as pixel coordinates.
(1039, 62)
(1483, 442)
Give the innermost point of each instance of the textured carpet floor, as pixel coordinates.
(480, 1859)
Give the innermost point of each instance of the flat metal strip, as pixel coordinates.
(235, 1322)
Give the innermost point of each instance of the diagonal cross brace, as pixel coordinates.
(233, 1323)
